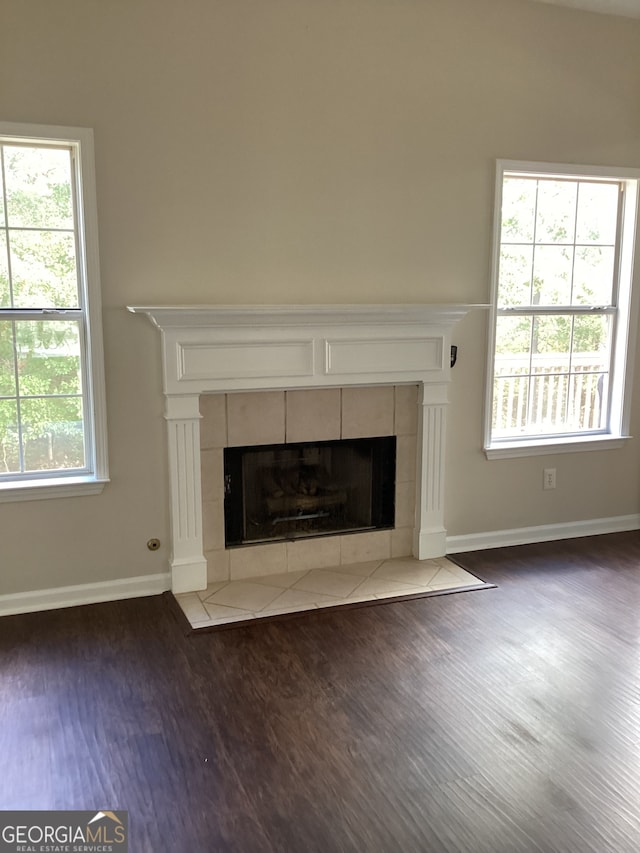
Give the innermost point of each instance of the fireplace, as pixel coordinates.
(301, 490)
(230, 350)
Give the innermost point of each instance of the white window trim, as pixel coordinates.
(628, 311)
(72, 485)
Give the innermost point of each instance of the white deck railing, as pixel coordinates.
(550, 399)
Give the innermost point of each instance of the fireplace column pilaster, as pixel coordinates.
(430, 535)
(188, 564)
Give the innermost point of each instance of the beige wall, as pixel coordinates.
(307, 150)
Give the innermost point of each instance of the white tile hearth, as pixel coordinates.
(226, 602)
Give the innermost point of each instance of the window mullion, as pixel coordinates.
(531, 382)
(41, 313)
(615, 295)
(573, 310)
(533, 245)
(575, 234)
(16, 376)
(6, 223)
(570, 375)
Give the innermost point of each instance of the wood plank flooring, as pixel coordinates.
(500, 721)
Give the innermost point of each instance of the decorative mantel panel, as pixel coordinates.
(208, 349)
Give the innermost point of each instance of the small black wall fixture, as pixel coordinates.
(454, 355)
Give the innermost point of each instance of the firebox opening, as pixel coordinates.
(296, 491)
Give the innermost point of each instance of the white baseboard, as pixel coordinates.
(541, 533)
(86, 593)
(92, 593)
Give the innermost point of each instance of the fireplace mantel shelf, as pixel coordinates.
(172, 316)
(209, 349)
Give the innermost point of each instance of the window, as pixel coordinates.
(561, 308)
(52, 432)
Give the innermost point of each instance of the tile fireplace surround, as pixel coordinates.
(373, 370)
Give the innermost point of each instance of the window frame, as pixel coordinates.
(626, 304)
(92, 479)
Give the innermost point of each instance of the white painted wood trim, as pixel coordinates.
(429, 533)
(514, 450)
(89, 593)
(189, 574)
(209, 349)
(541, 533)
(231, 348)
(429, 543)
(188, 564)
(228, 316)
(37, 490)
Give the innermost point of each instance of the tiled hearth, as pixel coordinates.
(229, 602)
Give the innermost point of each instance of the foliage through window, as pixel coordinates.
(47, 378)
(562, 292)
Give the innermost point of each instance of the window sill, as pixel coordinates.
(550, 446)
(59, 487)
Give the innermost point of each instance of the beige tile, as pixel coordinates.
(456, 583)
(467, 577)
(257, 560)
(255, 418)
(362, 570)
(414, 572)
(207, 623)
(410, 590)
(297, 598)
(444, 578)
(445, 563)
(402, 542)
(457, 571)
(318, 553)
(192, 607)
(406, 458)
(405, 504)
(226, 620)
(212, 474)
(213, 525)
(220, 614)
(406, 409)
(367, 411)
(352, 599)
(282, 611)
(283, 581)
(203, 594)
(313, 415)
(412, 562)
(377, 586)
(328, 583)
(213, 424)
(363, 547)
(245, 595)
(217, 565)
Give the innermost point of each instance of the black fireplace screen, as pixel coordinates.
(294, 491)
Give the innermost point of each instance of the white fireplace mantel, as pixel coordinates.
(222, 349)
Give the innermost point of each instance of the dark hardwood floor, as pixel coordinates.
(500, 721)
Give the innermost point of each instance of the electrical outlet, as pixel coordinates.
(549, 478)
